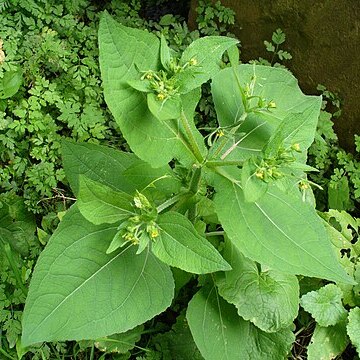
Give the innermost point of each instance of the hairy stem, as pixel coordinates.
(193, 189)
(190, 136)
(168, 203)
(213, 164)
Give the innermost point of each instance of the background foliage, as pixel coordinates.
(54, 46)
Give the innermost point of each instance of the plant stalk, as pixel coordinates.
(213, 164)
(190, 136)
(10, 258)
(168, 203)
(193, 189)
(3, 352)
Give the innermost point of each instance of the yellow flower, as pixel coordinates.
(260, 174)
(303, 185)
(161, 96)
(193, 62)
(296, 147)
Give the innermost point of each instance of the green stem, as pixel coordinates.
(190, 136)
(215, 233)
(193, 189)
(213, 164)
(6, 354)
(168, 203)
(177, 134)
(10, 258)
(92, 352)
(224, 140)
(195, 180)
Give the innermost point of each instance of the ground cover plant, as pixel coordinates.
(338, 173)
(233, 212)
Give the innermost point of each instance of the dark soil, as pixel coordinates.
(155, 9)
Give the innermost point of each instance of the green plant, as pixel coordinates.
(278, 38)
(238, 213)
(19, 249)
(213, 18)
(55, 46)
(336, 308)
(339, 171)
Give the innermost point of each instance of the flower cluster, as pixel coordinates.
(139, 229)
(270, 168)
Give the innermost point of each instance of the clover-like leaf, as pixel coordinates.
(325, 305)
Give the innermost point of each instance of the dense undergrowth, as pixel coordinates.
(49, 52)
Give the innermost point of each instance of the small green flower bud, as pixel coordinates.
(260, 174)
(296, 147)
(141, 202)
(304, 185)
(272, 105)
(161, 96)
(193, 62)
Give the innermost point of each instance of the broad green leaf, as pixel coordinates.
(10, 83)
(328, 342)
(353, 328)
(164, 110)
(267, 298)
(339, 194)
(180, 245)
(278, 230)
(123, 53)
(234, 55)
(118, 170)
(79, 292)
(178, 343)
(120, 343)
(165, 55)
(98, 163)
(17, 225)
(273, 84)
(100, 204)
(291, 131)
(325, 305)
(221, 334)
(254, 188)
(341, 226)
(181, 278)
(140, 85)
(206, 52)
